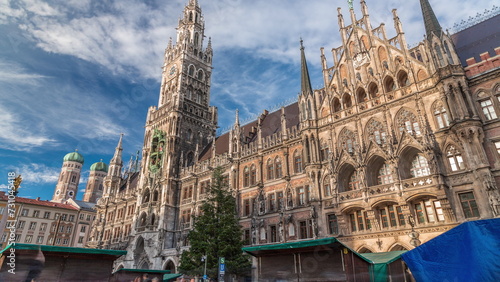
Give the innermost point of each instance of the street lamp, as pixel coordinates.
(204, 258)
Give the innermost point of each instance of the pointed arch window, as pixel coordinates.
(325, 152)
(373, 90)
(441, 116)
(361, 94)
(309, 109)
(270, 169)
(246, 177)
(253, 175)
(200, 75)
(376, 132)
(297, 162)
(389, 84)
(419, 166)
(439, 55)
(346, 101)
(353, 181)
(191, 70)
(278, 168)
(407, 121)
(403, 79)
(384, 175)
(336, 105)
(347, 141)
(447, 50)
(196, 39)
(326, 187)
(455, 159)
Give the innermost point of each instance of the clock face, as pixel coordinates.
(172, 71)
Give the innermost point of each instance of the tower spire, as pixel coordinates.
(432, 25)
(304, 73)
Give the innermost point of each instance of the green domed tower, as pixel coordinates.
(94, 189)
(69, 178)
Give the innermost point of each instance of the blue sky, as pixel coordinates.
(74, 74)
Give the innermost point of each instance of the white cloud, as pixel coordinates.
(34, 173)
(13, 73)
(4, 187)
(130, 35)
(15, 135)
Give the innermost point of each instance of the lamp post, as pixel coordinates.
(204, 258)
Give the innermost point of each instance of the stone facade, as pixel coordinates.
(399, 139)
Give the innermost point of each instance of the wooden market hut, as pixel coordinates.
(55, 263)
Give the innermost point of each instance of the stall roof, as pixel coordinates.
(468, 252)
(376, 258)
(167, 277)
(45, 248)
(142, 270)
(292, 245)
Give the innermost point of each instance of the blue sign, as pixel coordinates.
(222, 268)
(205, 277)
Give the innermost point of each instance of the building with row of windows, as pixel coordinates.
(399, 139)
(35, 221)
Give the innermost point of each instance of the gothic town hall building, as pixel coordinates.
(398, 139)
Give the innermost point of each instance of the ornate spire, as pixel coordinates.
(304, 73)
(117, 157)
(237, 119)
(430, 20)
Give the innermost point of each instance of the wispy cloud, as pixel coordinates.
(130, 35)
(35, 173)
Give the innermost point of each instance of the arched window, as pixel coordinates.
(439, 55)
(376, 132)
(403, 79)
(278, 168)
(361, 94)
(270, 169)
(189, 134)
(373, 90)
(155, 196)
(191, 70)
(309, 109)
(348, 178)
(336, 105)
(447, 50)
(384, 175)
(440, 115)
(419, 166)
(246, 177)
(346, 101)
(455, 159)
(326, 187)
(353, 181)
(190, 159)
(347, 140)
(196, 39)
(297, 161)
(200, 75)
(389, 84)
(145, 197)
(253, 175)
(325, 151)
(407, 121)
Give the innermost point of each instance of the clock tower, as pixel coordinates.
(177, 129)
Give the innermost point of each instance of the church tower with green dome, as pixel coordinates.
(69, 178)
(94, 189)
